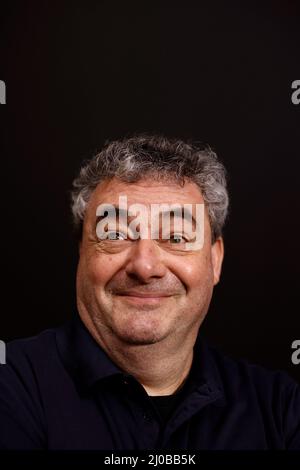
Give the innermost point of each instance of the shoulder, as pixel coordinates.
(31, 362)
(22, 412)
(27, 354)
(241, 373)
(272, 395)
(26, 359)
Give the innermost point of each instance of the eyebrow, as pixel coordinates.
(119, 211)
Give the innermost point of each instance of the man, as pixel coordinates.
(130, 371)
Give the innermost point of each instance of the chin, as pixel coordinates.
(139, 336)
(138, 341)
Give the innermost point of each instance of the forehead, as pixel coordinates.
(146, 191)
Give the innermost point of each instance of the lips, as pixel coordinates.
(144, 295)
(144, 299)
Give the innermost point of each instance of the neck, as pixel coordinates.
(161, 368)
(157, 371)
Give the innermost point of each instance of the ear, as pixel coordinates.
(217, 255)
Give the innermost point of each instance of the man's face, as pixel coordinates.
(144, 291)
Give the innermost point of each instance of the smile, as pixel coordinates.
(151, 298)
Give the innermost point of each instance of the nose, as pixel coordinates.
(145, 261)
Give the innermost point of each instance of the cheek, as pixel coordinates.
(196, 272)
(99, 269)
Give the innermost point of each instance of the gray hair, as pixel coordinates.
(135, 158)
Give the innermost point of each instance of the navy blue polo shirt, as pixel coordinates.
(59, 390)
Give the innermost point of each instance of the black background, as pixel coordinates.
(79, 73)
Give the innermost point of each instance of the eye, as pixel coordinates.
(177, 239)
(115, 236)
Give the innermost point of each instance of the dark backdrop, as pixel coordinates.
(78, 73)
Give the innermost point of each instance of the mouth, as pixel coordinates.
(151, 298)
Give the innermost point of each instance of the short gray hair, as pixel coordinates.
(144, 155)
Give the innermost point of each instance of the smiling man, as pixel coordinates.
(131, 371)
(149, 301)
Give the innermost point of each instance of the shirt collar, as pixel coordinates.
(82, 356)
(204, 372)
(88, 363)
